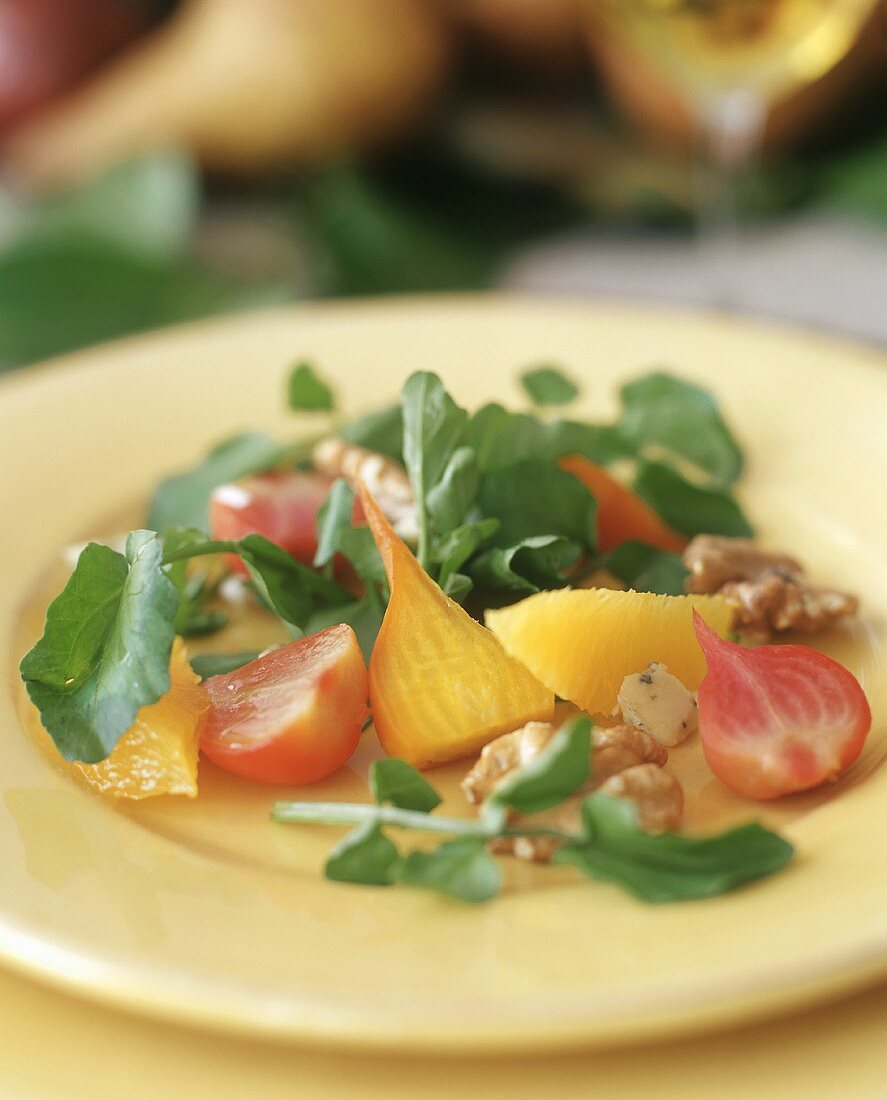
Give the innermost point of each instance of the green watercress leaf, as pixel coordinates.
(454, 493)
(365, 856)
(332, 519)
(458, 586)
(453, 549)
(105, 649)
(433, 425)
(461, 869)
(393, 780)
(548, 386)
(669, 867)
(307, 391)
(528, 566)
(217, 664)
(380, 431)
(195, 616)
(646, 569)
(684, 419)
(292, 590)
(182, 500)
(689, 508)
(501, 438)
(359, 547)
(535, 497)
(557, 772)
(363, 615)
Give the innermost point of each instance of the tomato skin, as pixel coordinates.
(292, 716)
(281, 505)
(777, 719)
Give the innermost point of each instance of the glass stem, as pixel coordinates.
(732, 129)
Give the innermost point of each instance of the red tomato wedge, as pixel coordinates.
(621, 514)
(779, 718)
(281, 505)
(291, 716)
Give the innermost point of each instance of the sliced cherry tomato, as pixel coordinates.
(621, 514)
(778, 718)
(281, 505)
(291, 716)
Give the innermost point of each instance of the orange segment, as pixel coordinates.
(582, 643)
(441, 686)
(158, 753)
(621, 514)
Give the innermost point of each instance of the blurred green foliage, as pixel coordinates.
(118, 256)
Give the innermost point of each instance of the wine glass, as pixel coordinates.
(731, 60)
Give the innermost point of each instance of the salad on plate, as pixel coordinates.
(563, 606)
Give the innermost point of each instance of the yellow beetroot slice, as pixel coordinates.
(582, 643)
(441, 686)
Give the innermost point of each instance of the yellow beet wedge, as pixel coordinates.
(158, 753)
(582, 643)
(441, 686)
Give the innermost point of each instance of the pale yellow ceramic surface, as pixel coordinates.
(207, 912)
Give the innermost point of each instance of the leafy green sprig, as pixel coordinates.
(609, 845)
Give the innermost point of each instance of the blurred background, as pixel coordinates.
(162, 160)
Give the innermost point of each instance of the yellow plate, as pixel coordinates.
(208, 912)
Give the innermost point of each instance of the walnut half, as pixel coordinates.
(619, 751)
(767, 591)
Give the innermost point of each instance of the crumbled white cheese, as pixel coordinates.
(658, 703)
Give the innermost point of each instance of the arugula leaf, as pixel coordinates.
(365, 856)
(531, 564)
(182, 500)
(646, 569)
(457, 586)
(669, 867)
(454, 493)
(534, 497)
(454, 548)
(557, 772)
(393, 780)
(549, 386)
(217, 664)
(380, 431)
(307, 391)
(433, 425)
(689, 508)
(682, 418)
(334, 517)
(105, 649)
(502, 438)
(462, 869)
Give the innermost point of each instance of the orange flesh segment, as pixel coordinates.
(441, 685)
(582, 643)
(621, 514)
(158, 753)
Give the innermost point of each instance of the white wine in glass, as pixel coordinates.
(731, 60)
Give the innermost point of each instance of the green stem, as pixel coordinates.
(211, 546)
(347, 813)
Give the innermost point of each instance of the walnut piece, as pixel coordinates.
(658, 703)
(766, 591)
(614, 750)
(656, 794)
(386, 479)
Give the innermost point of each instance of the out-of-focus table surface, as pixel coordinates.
(53, 1047)
(817, 270)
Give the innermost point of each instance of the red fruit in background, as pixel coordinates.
(778, 718)
(48, 45)
(291, 716)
